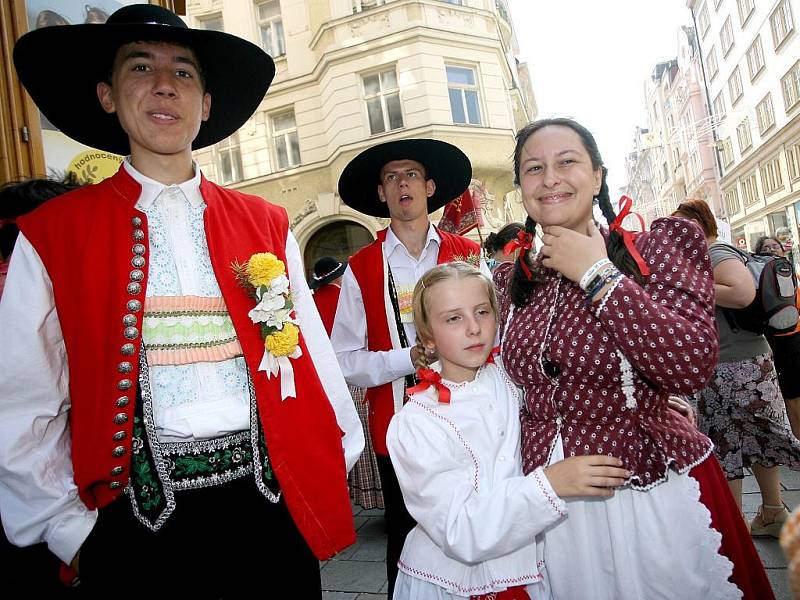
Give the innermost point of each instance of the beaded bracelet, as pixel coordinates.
(591, 272)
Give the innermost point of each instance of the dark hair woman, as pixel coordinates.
(495, 244)
(599, 328)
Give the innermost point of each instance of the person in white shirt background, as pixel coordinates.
(455, 447)
(140, 437)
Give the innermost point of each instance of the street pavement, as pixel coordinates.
(359, 572)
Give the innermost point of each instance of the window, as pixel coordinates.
(702, 20)
(726, 37)
(732, 201)
(791, 87)
(755, 58)
(711, 61)
(719, 106)
(287, 146)
(382, 97)
(229, 160)
(458, 2)
(743, 134)
(771, 178)
(211, 23)
(695, 167)
(463, 95)
(781, 22)
(766, 118)
(359, 5)
(793, 161)
(745, 10)
(749, 190)
(735, 86)
(270, 27)
(727, 152)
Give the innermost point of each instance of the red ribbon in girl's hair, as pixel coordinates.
(428, 378)
(524, 240)
(625, 204)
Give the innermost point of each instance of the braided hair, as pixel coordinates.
(521, 286)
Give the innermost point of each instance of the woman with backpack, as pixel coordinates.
(785, 348)
(741, 409)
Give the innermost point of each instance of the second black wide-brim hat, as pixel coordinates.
(60, 66)
(448, 166)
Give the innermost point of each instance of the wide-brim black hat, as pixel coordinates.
(448, 166)
(326, 269)
(60, 66)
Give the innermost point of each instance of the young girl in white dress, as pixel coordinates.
(455, 446)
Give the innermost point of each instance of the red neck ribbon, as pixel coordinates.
(524, 240)
(428, 378)
(625, 204)
(495, 351)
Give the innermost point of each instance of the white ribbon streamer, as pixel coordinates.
(281, 366)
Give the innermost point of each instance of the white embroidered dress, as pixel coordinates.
(460, 472)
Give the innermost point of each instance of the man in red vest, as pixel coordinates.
(326, 283)
(373, 333)
(167, 408)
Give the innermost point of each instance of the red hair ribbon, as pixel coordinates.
(524, 240)
(624, 206)
(428, 378)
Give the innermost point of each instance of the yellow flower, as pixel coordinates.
(283, 342)
(263, 268)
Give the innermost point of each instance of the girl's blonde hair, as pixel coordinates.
(449, 271)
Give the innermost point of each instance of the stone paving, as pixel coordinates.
(359, 572)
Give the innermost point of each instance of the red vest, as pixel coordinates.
(327, 298)
(85, 240)
(367, 266)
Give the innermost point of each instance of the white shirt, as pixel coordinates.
(362, 367)
(38, 497)
(460, 471)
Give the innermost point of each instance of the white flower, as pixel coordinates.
(266, 308)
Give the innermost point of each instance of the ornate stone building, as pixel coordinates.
(354, 73)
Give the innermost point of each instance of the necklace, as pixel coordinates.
(549, 368)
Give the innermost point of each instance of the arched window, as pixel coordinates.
(340, 240)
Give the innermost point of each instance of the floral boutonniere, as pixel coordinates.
(264, 278)
(472, 258)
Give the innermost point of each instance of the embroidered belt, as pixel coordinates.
(160, 469)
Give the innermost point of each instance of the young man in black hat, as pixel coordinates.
(168, 406)
(373, 333)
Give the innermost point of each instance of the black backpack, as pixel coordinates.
(774, 308)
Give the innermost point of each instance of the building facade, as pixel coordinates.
(674, 156)
(751, 53)
(354, 73)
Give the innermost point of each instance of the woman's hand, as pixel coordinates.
(572, 253)
(682, 407)
(586, 475)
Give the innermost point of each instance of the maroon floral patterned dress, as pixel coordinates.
(597, 380)
(665, 331)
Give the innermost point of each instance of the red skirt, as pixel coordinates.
(737, 545)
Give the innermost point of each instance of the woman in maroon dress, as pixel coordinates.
(599, 329)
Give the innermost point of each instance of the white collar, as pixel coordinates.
(391, 242)
(152, 189)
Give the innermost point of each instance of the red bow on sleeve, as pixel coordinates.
(524, 240)
(428, 378)
(625, 204)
